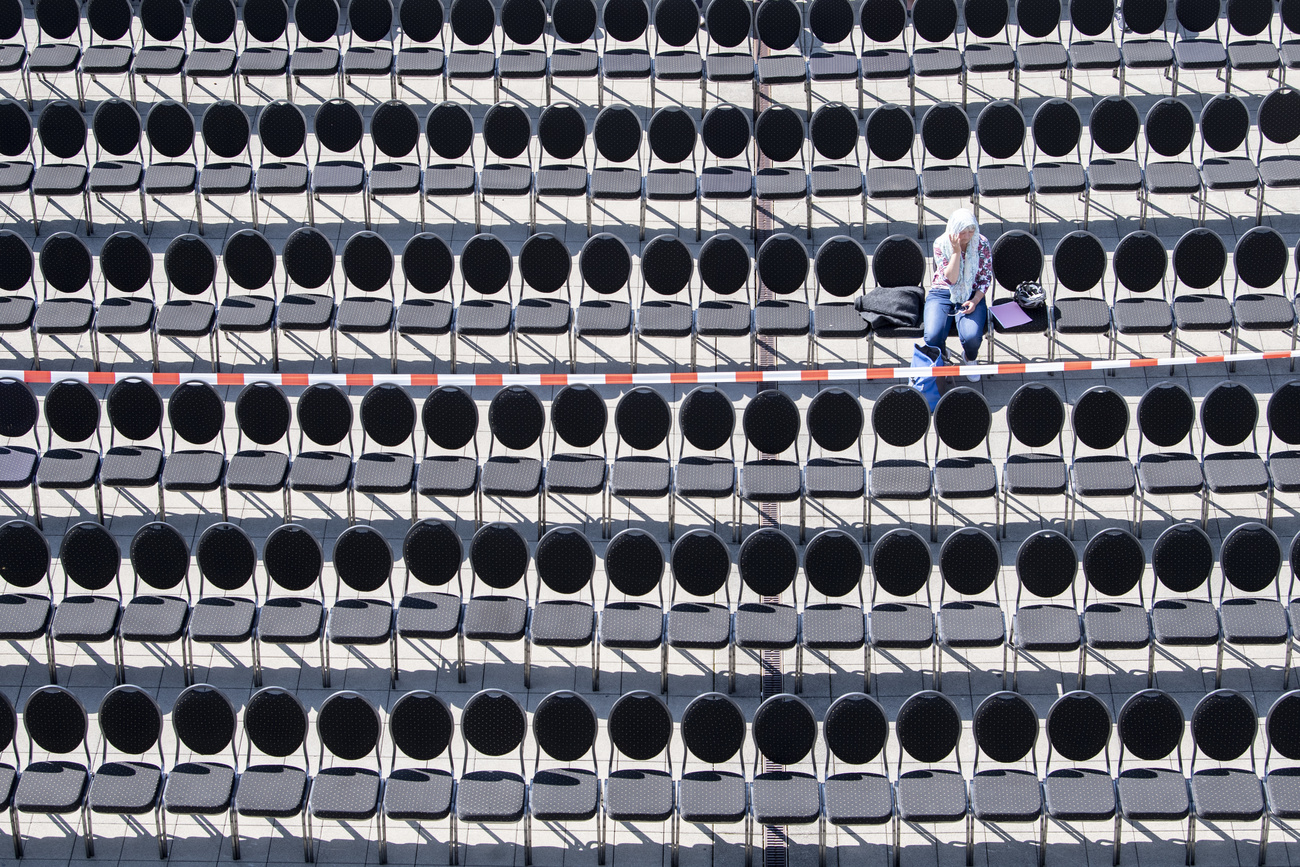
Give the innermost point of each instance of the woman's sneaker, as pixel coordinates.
(974, 377)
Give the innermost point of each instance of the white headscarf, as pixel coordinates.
(961, 290)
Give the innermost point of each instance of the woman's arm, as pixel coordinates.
(952, 270)
(983, 276)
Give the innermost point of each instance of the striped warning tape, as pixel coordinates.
(711, 377)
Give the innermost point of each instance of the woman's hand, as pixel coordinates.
(967, 308)
(957, 245)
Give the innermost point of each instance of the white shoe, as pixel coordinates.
(973, 377)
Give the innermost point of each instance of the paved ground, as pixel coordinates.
(1188, 674)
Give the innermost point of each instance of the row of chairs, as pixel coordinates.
(1250, 610)
(842, 305)
(716, 44)
(640, 784)
(706, 468)
(1003, 167)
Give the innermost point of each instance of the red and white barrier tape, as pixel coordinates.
(711, 377)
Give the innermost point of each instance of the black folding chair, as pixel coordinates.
(1040, 20)
(640, 728)
(1150, 727)
(160, 557)
(634, 566)
(928, 729)
(19, 413)
(561, 136)
(855, 730)
(204, 723)
(191, 269)
(197, 415)
(55, 721)
(1046, 567)
(1057, 126)
(841, 268)
(833, 133)
(574, 23)
(293, 561)
(214, 22)
(900, 566)
(1100, 419)
(565, 728)
(349, 729)
(450, 133)
(1079, 264)
(25, 615)
(395, 133)
(1005, 726)
(227, 560)
(1224, 725)
(17, 312)
(325, 420)
(420, 22)
(427, 266)
(249, 263)
(1229, 413)
(1113, 128)
(667, 269)
(713, 731)
(780, 135)
(672, 138)
(371, 23)
(834, 418)
(1259, 260)
(785, 733)
(135, 412)
(1181, 561)
(339, 130)
(523, 24)
(363, 562)
(578, 418)
(970, 562)
(493, 723)
(421, 727)
(262, 414)
(368, 265)
(1250, 559)
(1078, 727)
(771, 423)
(833, 565)
(433, 554)
(498, 556)
(1283, 466)
(282, 133)
(901, 418)
(1035, 417)
(962, 422)
(724, 264)
(727, 135)
(275, 722)
(768, 564)
(266, 42)
(1165, 414)
(566, 565)
(884, 23)
(387, 420)
(308, 259)
(1113, 564)
(131, 722)
(66, 267)
(1140, 45)
(1279, 789)
(701, 566)
(450, 419)
(678, 25)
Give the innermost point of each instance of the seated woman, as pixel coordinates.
(963, 273)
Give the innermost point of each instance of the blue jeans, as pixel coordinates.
(939, 311)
